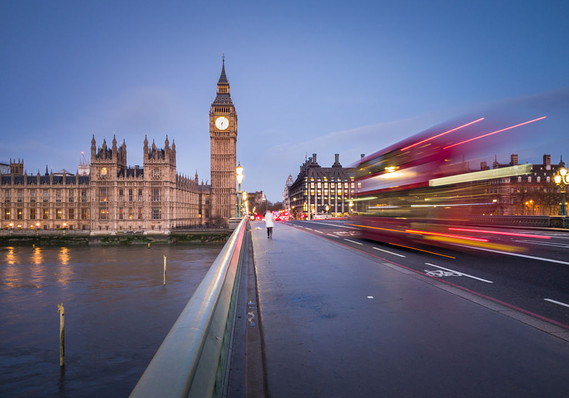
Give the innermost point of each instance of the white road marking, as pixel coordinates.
(557, 302)
(333, 236)
(369, 297)
(320, 232)
(331, 224)
(551, 244)
(517, 255)
(353, 241)
(395, 254)
(460, 273)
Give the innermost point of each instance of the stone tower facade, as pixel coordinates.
(223, 141)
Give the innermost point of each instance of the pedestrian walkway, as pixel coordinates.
(339, 323)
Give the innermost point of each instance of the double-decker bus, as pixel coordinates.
(424, 189)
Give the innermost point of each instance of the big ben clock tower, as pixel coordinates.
(223, 142)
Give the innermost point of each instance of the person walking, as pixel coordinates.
(270, 223)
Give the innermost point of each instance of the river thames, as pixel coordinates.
(117, 312)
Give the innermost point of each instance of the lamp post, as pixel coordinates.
(562, 179)
(245, 203)
(239, 171)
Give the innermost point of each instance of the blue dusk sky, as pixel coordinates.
(306, 77)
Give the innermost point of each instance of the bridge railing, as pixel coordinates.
(192, 360)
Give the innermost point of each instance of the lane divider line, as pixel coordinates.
(386, 251)
(353, 241)
(459, 273)
(557, 302)
(517, 255)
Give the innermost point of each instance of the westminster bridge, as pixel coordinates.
(318, 312)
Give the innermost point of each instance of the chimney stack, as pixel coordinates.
(547, 162)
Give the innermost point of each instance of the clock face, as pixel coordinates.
(221, 123)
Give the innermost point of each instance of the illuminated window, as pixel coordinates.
(104, 171)
(131, 213)
(103, 195)
(6, 214)
(58, 214)
(103, 213)
(45, 214)
(20, 214)
(84, 214)
(121, 213)
(140, 213)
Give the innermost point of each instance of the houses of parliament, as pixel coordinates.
(107, 196)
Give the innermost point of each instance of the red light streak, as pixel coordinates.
(495, 132)
(499, 233)
(441, 134)
(446, 235)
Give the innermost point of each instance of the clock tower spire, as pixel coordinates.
(223, 146)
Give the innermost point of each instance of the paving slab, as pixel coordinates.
(339, 323)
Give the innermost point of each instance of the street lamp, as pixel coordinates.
(239, 171)
(562, 179)
(245, 203)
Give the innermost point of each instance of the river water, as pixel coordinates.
(117, 312)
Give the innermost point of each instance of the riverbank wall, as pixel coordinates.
(84, 238)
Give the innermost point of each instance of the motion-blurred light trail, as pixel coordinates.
(484, 231)
(495, 132)
(441, 134)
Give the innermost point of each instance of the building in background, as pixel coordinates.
(286, 192)
(107, 196)
(325, 191)
(223, 143)
(111, 198)
(533, 194)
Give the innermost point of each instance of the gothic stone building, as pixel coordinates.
(223, 140)
(112, 197)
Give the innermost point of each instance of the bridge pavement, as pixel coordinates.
(339, 323)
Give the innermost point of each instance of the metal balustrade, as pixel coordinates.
(192, 360)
